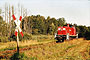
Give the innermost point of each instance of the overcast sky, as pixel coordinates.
(74, 11)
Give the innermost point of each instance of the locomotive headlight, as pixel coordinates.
(59, 28)
(70, 30)
(64, 29)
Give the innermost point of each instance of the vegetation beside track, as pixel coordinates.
(77, 49)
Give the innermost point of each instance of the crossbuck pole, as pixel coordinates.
(17, 43)
(17, 29)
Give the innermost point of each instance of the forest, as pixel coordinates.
(37, 25)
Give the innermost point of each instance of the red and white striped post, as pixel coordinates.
(17, 22)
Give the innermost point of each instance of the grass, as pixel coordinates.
(20, 56)
(36, 39)
(24, 44)
(70, 50)
(77, 49)
(9, 48)
(70, 47)
(88, 49)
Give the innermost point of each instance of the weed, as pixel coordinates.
(69, 58)
(19, 56)
(70, 47)
(33, 58)
(88, 50)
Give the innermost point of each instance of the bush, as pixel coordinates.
(87, 35)
(35, 31)
(19, 56)
(3, 39)
(25, 37)
(12, 38)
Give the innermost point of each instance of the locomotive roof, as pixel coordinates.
(69, 25)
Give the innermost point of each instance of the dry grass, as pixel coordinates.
(77, 49)
(69, 50)
(36, 39)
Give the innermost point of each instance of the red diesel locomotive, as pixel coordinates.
(65, 33)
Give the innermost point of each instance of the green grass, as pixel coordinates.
(12, 48)
(19, 56)
(9, 48)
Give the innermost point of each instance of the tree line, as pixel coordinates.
(35, 25)
(39, 25)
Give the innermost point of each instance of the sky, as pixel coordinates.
(74, 11)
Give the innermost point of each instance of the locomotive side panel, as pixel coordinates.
(65, 30)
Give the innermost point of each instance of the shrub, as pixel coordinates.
(19, 56)
(25, 37)
(3, 39)
(87, 35)
(12, 38)
(35, 31)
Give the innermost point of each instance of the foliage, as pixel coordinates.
(61, 22)
(83, 31)
(39, 25)
(25, 37)
(1, 18)
(87, 35)
(19, 56)
(35, 31)
(51, 29)
(3, 39)
(3, 28)
(0, 10)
